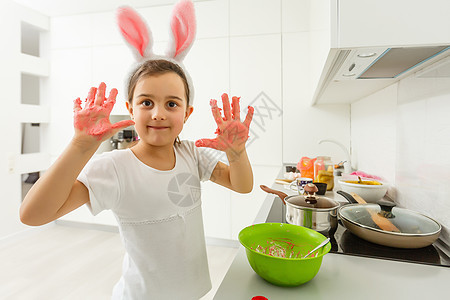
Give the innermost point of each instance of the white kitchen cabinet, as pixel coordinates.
(354, 23)
(391, 23)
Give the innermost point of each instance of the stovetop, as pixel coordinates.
(346, 243)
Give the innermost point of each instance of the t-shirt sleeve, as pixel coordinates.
(101, 179)
(207, 159)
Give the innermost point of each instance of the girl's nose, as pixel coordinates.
(158, 113)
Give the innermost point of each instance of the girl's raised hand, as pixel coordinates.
(231, 132)
(92, 121)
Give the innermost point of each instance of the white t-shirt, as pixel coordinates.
(160, 220)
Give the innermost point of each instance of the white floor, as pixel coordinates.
(62, 262)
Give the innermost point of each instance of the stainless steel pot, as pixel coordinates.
(320, 216)
(413, 230)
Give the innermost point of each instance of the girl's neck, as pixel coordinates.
(158, 157)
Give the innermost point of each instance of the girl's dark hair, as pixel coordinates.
(152, 68)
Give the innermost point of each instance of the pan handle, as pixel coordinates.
(275, 192)
(347, 196)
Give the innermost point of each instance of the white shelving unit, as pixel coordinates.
(22, 53)
(33, 62)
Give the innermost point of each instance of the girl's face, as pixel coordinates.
(159, 108)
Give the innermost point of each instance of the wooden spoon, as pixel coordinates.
(381, 221)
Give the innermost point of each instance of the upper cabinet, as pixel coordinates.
(359, 47)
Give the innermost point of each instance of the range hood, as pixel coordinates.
(385, 63)
(356, 73)
(358, 49)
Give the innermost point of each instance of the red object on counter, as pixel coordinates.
(306, 167)
(259, 298)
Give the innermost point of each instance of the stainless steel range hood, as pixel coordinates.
(390, 63)
(358, 48)
(356, 73)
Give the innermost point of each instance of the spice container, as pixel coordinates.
(323, 171)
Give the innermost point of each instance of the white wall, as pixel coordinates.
(403, 134)
(304, 24)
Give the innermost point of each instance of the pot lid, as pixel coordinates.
(321, 203)
(311, 201)
(373, 215)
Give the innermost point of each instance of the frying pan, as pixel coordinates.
(414, 230)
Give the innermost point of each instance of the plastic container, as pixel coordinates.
(306, 167)
(324, 171)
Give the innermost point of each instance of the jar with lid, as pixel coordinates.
(323, 171)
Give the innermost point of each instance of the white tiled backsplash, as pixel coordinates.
(402, 133)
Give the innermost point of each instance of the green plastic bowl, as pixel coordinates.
(277, 238)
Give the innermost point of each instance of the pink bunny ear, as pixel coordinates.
(183, 27)
(134, 30)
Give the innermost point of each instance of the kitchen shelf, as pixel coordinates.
(33, 113)
(32, 162)
(39, 21)
(33, 65)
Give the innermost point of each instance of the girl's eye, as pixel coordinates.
(146, 103)
(172, 104)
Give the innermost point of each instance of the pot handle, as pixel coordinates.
(347, 197)
(275, 192)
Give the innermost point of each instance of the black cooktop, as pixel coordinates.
(344, 242)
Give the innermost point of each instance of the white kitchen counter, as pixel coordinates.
(343, 277)
(340, 277)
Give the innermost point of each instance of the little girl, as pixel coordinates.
(153, 187)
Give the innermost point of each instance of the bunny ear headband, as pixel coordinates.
(139, 37)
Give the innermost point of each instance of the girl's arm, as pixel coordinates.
(232, 135)
(58, 192)
(238, 176)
